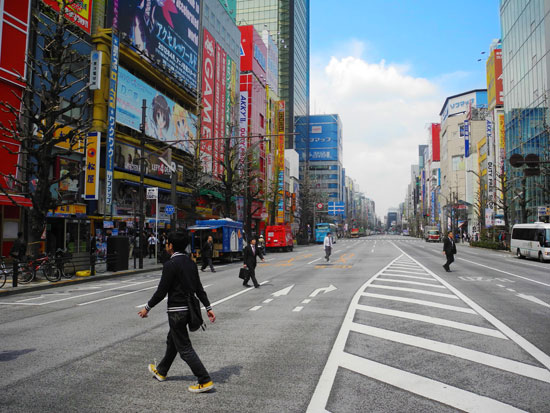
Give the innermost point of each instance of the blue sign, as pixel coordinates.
(169, 209)
(466, 138)
(321, 136)
(336, 208)
(110, 159)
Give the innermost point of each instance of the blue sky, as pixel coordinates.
(386, 67)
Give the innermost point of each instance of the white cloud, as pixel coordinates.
(384, 112)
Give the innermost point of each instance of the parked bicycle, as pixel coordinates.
(4, 272)
(100, 262)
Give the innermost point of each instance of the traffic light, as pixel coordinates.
(531, 160)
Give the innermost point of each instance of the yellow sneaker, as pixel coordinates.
(201, 388)
(153, 369)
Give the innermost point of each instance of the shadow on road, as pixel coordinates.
(10, 355)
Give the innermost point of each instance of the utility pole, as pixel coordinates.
(141, 187)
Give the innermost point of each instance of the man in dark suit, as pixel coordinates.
(250, 253)
(449, 249)
(207, 252)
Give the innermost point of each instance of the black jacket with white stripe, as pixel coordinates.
(180, 277)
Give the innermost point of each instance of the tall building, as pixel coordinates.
(526, 74)
(288, 23)
(319, 140)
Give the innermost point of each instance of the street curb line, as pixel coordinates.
(79, 280)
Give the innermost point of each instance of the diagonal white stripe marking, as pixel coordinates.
(413, 290)
(386, 273)
(542, 357)
(433, 320)
(409, 282)
(431, 389)
(118, 295)
(406, 271)
(421, 302)
(256, 308)
(297, 309)
(490, 360)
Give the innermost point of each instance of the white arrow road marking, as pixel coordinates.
(284, 291)
(326, 290)
(533, 299)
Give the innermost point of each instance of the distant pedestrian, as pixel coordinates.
(152, 242)
(328, 245)
(207, 253)
(132, 245)
(251, 252)
(180, 277)
(17, 252)
(261, 244)
(449, 249)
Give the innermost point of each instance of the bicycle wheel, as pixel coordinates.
(69, 270)
(100, 265)
(3, 277)
(50, 272)
(25, 275)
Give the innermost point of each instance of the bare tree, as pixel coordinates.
(53, 112)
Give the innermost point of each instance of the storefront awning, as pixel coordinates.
(19, 200)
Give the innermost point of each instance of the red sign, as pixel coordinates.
(207, 114)
(320, 205)
(78, 12)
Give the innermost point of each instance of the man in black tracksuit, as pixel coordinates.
(180, 277)
(207, 253)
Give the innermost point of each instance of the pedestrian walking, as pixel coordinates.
(207, 253)
(251, 252)
(180, 278)
(328, 245)
(132, 245)
(152, 242)
(17, 252)
(449, 249)
(261, 244)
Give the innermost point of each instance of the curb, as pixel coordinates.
(76, 280)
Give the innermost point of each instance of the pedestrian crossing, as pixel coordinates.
(411, 331)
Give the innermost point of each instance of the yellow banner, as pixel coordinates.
(91, 185)
(501, 131)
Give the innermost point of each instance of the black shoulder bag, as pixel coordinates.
(195, 315)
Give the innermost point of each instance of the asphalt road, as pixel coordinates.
(381, 328)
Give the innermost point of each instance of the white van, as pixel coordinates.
(531, 240)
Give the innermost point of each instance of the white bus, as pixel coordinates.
(531, 240)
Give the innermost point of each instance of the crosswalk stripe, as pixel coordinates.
(433, 320)
(487, 359)
(421, 302)
(416, 271)
(416, 277)
(413, 290)
(425, 387)
(408, 282)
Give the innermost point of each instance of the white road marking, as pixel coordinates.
(297, 309)
(256, 308)
(533, 299)
(143, 305)
(118, 295)
(433, 320)
(501, 286)
(98, 292)
(284, 291)
(234, 295)
(421, 302)
(311, 262)
(16, 303)
(422, 386)
(336, 252)
(464, 353)
(372, 250)
(511, 290)
(502, 271)
(268, 301)
(542, 357)
(409, 282)
(306, 301)
(324, 290)
(413, 290)
(416, 277)
(406, 271)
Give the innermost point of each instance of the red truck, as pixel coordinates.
(279, 236)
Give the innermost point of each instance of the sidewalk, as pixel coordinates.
(43, 284)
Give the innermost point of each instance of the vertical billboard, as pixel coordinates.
(494, 79)
(280, 162)
(165, 119)
(207, 113)
(243, 124)
(79, 12)
(91, 184)
(166, 32)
